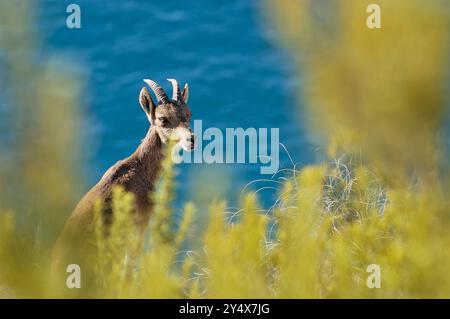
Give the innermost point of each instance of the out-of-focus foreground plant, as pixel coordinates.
(377, 97)
(377, 93)
(39, 150)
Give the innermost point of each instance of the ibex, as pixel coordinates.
(169, 120)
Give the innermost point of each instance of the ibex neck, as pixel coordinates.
(149, 154)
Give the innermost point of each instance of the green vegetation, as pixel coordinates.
(376, 97)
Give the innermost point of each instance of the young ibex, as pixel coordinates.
(169, 119)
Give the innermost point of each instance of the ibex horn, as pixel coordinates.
(176, 95)
(161, 96)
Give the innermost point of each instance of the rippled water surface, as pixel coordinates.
(237, 75)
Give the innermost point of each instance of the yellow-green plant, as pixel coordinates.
(128, 267)
(228, 245)
(378, 93)
(159, 275)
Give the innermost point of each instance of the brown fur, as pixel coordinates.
(136, 174)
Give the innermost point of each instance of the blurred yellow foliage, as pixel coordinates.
(375, 92)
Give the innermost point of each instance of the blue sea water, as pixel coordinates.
(225, 50)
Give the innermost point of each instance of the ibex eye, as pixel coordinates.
(164, 121)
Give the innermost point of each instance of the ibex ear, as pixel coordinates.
(147, 104)
(185, 93)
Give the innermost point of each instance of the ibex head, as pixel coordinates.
(169, 117)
